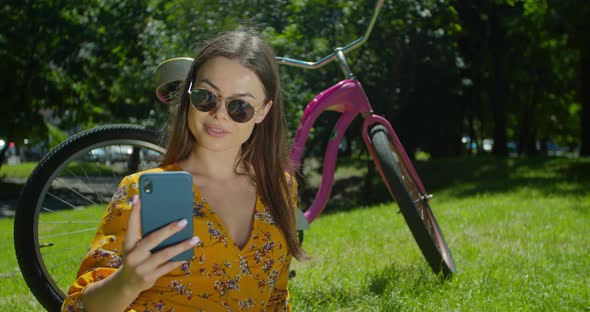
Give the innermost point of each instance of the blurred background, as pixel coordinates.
(502, 77)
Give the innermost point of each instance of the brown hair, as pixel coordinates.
(266, 150)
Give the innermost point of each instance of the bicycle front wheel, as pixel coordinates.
(413, 205)
(65, 197)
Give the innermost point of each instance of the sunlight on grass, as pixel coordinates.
(75, 168)
(22, 170)
(65, 251)
(14, 293)
(62, 258)
(518, 244)
(517, 230)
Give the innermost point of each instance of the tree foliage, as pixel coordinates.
(511, 70)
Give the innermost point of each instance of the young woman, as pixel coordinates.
(229, 133)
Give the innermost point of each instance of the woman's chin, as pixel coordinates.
(216, 145)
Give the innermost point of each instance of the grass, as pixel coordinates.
(22, 170)
(517, 229)
(75, 168)
(14, 294)
(62, 260)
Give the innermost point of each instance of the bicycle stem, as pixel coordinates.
(348, 74)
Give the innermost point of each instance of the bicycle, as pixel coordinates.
(84, 170)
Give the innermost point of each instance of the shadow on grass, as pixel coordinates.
(385, 289)
(548, 175)
(405, 280)
(348, 194)
(464, 177)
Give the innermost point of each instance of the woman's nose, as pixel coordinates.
(220, 110)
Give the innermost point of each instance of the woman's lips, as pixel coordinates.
(216, 131)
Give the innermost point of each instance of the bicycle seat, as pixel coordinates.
(169, 75)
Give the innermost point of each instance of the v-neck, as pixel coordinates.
(257, 206)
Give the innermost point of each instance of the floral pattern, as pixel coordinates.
(198, 209)
(220, 277)
(179, 288)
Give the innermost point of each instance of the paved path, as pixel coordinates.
(103, 186)
(8, 201)
(7, 208)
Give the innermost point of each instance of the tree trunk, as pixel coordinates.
(523, 135)
(585, 100)
(527, 139)
(3, 153)
(472, 49)
(498, 89)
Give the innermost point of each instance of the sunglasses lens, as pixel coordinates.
(240, 111)
(203, 100)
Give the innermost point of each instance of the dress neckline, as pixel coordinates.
(199, 196)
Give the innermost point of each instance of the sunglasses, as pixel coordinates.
(205, 101)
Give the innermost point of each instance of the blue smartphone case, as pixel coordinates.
(167, 197)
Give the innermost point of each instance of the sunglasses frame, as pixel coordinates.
(225, 101)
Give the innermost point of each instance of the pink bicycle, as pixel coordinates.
(74, 182)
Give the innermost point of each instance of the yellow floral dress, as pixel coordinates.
(220, 277)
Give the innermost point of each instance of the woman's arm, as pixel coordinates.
(140, 268)
(109, 294)
(119, 264)
(279, 299)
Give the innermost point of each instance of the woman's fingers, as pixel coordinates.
(133, 234)
(155, 238)
(157, 264)
(141, 267)
(166, 254)
(165, 268)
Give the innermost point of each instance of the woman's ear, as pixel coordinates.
(263, 112)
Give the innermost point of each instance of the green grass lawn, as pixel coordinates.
(62, 259)
(517, 229)
(22, 170)
(75, 168)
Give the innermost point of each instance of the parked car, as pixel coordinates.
(117, 153)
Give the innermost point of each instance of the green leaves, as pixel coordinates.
(427, 63)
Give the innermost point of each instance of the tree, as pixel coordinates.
(570, 17)
(437, 70)
(66, 62)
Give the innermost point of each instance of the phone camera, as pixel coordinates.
(147, 185)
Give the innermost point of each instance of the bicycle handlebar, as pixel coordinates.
(327, 59)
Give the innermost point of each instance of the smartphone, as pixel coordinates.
(167, 197)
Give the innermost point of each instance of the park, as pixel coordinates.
(488, 99)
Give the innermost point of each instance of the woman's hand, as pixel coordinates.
(141, 268)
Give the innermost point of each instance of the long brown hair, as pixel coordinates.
(266, 150)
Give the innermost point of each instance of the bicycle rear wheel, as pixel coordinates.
(65, 197)
(413, 205)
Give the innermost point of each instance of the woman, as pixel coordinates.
(229, 133)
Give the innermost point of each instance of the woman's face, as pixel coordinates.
(215, 130)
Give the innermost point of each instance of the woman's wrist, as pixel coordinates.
(118, 291)
(122, 287)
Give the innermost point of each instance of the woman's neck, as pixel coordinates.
(210, 164)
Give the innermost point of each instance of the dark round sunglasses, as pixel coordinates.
(205, 101)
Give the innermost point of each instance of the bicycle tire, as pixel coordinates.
(41, 187)
(413, 205)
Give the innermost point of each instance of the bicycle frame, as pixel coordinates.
(347, 97)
